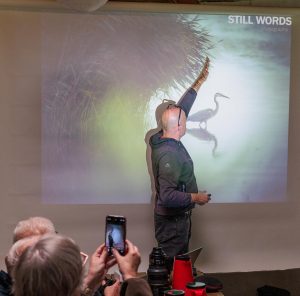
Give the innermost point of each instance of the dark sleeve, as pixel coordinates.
(136, 287)
(187, 100)
(169, 170)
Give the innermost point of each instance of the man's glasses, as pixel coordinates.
(172, 106)
(179, 116)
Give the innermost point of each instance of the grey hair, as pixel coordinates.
(17, 250)
(52, 266)
(33, 226)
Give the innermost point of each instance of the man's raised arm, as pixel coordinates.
(187, 100)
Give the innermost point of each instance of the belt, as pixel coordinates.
(180, 214)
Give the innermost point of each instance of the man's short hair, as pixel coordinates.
(52, 266)
(33, 226)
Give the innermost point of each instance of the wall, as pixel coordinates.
(235, 237)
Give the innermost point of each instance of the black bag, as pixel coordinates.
(272, 291)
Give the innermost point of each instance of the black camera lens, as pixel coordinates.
(158, 274)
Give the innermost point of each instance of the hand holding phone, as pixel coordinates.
(201, 197)
(115, 233)
(129, 263)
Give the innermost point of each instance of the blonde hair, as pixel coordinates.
(51, 267)
(33, 226)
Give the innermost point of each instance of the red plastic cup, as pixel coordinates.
(195, 289)
(182, 272)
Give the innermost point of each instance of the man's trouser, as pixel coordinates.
(173, 234)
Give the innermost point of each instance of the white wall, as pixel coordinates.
(236, 237)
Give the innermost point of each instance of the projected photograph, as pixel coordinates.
(105, 75)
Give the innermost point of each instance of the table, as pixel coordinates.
(144, 276)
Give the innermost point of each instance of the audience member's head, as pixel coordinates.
(33, 226)
(52, 266)
(17, 250)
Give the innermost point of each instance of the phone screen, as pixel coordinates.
(115, 233)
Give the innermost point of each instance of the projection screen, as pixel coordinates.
(104, 75)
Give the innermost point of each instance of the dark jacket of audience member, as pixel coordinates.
(5, 284)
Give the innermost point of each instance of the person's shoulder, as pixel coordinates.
(169, 157)
(136, 287)
(169, 146)
(160, 143)
(5, 284)
(155, 139)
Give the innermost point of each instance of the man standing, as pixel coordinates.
(173, 171)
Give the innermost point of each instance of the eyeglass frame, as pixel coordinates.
(84, 258)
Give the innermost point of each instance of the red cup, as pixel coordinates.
(195, 289)
(182, 272)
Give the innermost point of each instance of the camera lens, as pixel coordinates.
(158, 274)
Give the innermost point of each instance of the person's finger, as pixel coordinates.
(100, 249)
(130, 245)
(116, 254)
(103, 254)
(136, 250)
(111, 262)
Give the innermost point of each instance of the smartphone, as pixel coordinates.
(115, 233)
